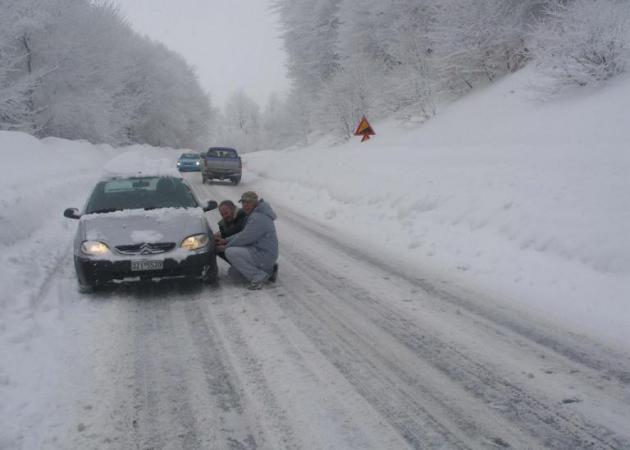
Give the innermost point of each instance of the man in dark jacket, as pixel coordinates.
(254, 251)
(232, 222)
(232, 219)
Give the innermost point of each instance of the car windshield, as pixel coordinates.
(221, 153)
(189, 156)
(140, 193)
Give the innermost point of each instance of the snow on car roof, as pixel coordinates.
(163, 213)
(140, 174)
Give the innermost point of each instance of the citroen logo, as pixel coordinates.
(145, 249)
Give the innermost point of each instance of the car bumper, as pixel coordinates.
(222, 175)
(189, 168)
(97, 272)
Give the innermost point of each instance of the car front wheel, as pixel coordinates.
(210, 273)
(86, 288)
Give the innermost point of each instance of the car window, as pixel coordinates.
(125, 185)
(221, 153)
(140, 193)
(190, 156)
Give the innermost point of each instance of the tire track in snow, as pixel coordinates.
(222, 391)
(607, 361)
(221, 341)
(336, 324)
(163, 414)
(524, 410)
(370, 365)
(305, 395)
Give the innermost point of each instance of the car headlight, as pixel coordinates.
(94, 248)
(197, 162)
(195, 242)
(178, 163)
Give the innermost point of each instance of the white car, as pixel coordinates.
(142, 227)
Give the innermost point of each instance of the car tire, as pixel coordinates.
(86, 288)
(210, 273)
(236, 180)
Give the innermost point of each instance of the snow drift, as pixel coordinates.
(526, 199)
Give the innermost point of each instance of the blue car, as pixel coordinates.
(189, 162)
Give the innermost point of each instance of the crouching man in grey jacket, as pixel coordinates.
(253, 252)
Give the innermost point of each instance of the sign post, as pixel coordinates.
(364, 129)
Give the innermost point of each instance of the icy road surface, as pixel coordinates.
(343, 352)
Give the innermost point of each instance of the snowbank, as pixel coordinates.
(39, 180)
(526, 200)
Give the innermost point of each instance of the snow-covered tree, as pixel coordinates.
(75, 69)
(241, 123)
(298, 107)
(172, 110)
(343, 100)
(278, 125)
(18, 78)
(584, 41)
(16, 108)
(310, 37)
(404, 57)
(477, 41)
(410, 83)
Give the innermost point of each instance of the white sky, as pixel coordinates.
(233, 44)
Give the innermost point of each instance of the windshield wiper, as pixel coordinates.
(104, 210)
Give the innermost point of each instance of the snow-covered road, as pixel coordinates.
(465, 285)
(345, 351)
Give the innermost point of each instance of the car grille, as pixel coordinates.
(146, 248)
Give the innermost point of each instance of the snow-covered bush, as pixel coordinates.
(15, 107)
(477, 41)
(583, 42)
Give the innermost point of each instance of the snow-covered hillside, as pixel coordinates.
(523, 199)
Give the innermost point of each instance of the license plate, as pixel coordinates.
(139, 266)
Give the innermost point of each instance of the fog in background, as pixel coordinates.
(232, 44)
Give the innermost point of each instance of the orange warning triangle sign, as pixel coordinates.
(364, 129)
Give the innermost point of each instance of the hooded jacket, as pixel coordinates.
(259, 236)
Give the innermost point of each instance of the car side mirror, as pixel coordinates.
(72, 213)
(211, 205)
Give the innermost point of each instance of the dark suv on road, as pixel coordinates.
(221, 163)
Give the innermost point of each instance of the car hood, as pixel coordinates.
(131, 227)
